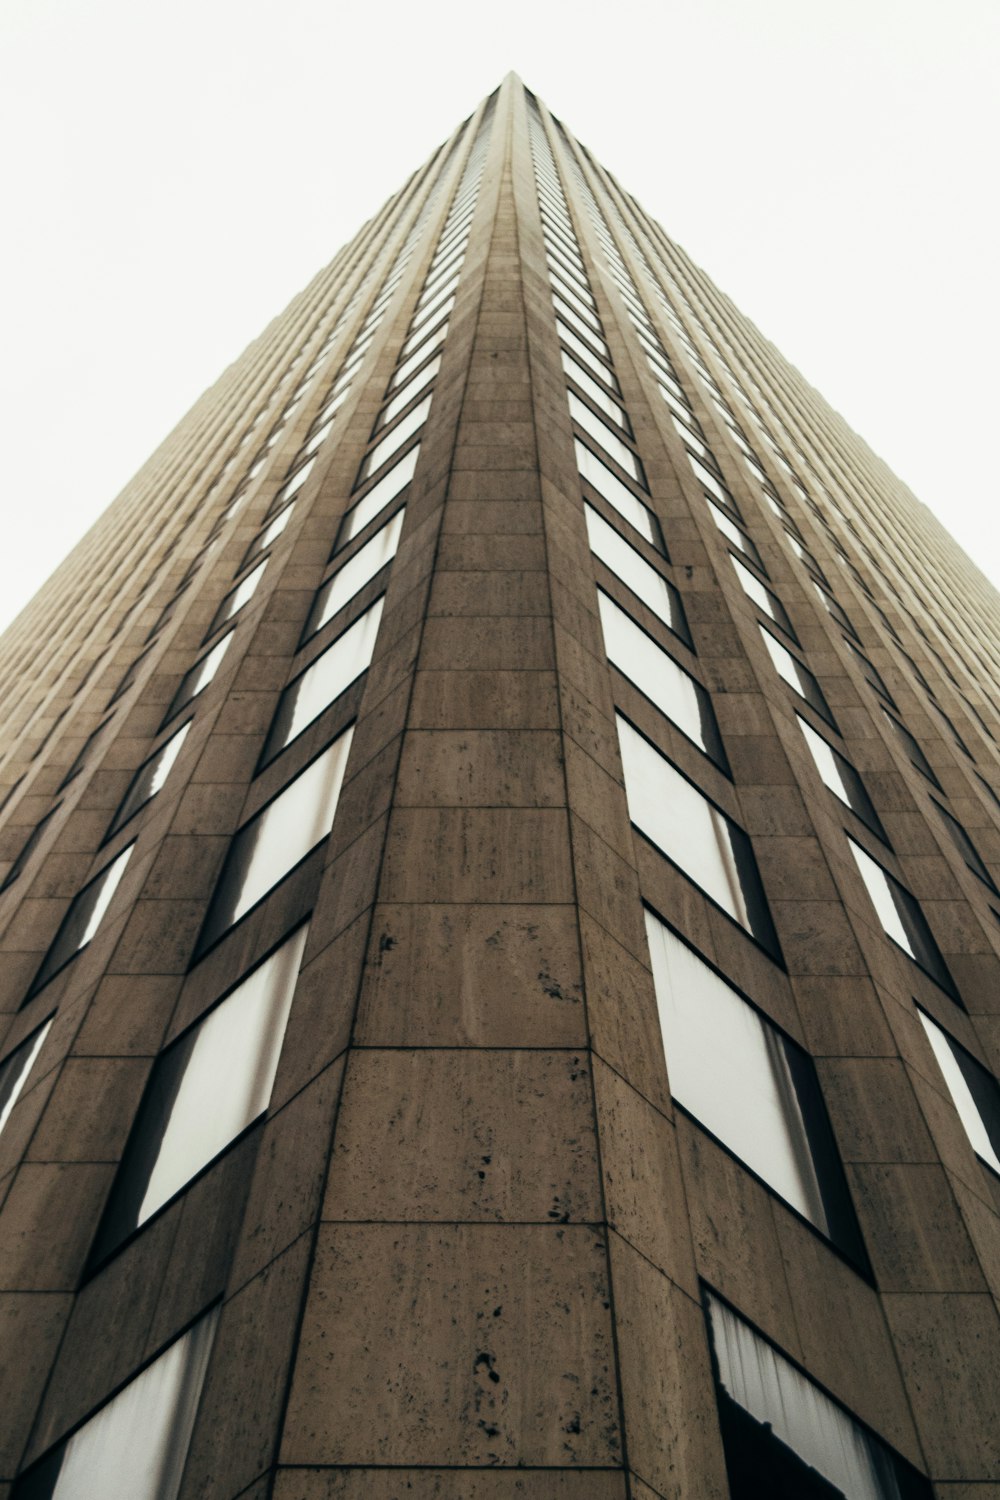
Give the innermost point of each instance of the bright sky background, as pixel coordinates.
(172, 174)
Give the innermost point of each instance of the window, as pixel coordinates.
(322, 683)
(914, 753)
(355, 574)
(200, 675)
(975, 1092)
(803, 554)
(428, 332)
(605, 438)
(293, 485)
(593, 390)
(695, 834)
(672, 690)
(786, 1438)
(750, 1086)
(28, 848)
(276, 839)
(584, 353)
(236, 598)
(870, 674)
(84, 753)
(269, 534)
(648, 585)
(798, 677)
(712, 483)
(135, 1446)
(833, 609)
(205, 1089)
(618, 495)
(901, 919)
(734, 534)
(567, 315)
(763, 598)
(149, 778)
(378, 497)
(965, 846)
(406, 369)
(396, 438)
(82, 920)
(409, 391)
(842, 779)
(16, 1069)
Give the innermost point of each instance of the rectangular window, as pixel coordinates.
(205, 1089)
(293, 485)
(750, 1086)
(15, 1070)
(276, 839)
(135, 1446)
(914, 753)
(236, 598)
(648, 585)
(81, 922)
(149, 778)
(695, 834)
(974, 1091)
(408, 393)
(804, 555)
(587, 356)
(712, 483)
(594, 391)
(566, 313)
(902, 920)
(658, 677)
(763, 598)
(322, 683)
(869, 672)
(330, 410)
(378, 497)
(834, 610)
(429, 306)
(733, 534)
(355, 574)
(798, 677)
(269, 534)
(605, 438)
(965, 846)
(785, 1437)
(617, 494)
(405, 428)
(429, 331)
(406, 369)
(842, 779)
(198, 678)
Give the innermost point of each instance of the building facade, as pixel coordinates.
(500, 935)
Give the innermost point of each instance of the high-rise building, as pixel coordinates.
(500, 932)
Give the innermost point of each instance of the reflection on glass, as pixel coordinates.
(237, 597)
(798, 677)
(658, 676)
(396, 438)
(412, 389)
(418, 335)
(135, 1447)
(264, 850)
(15, 1070)
(205, 1089)
(974, 1091)
(694, 833)
(378, 497)
(271, 532)
(732, 532)
(322, 683)
(355, 574)
(655, 591)
(901, 918)
(762, 597)
(293, 485)
(150, 778)
(568, 315)
(200, 675)
(406, 369)
(712, 483)
(83, 918)
(749, 1085)
(604, 437)
(615, 493)
(596, 392)
(586, 355)
(784, 1436)
(840, 776)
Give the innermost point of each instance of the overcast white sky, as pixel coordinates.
(173, 174)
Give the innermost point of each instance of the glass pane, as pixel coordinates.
(798, 677)
(322, 683)
(901, 917)
(355, 574)
(264, 850)
(205, 1089)
(567, 314)
(694, 833)
(150, 777)
(596, 392)
(602, 434)
(237, 597)
(271, 532)
(712, 483)
(641, 577)
(585, 354)
(762, 597)
(740, 1078)
(965, 846)
(410, 391)
(200, 675)
(981, 1126)
(378, 497)
(795, 1412)
(840, 776)
(396, 438)
(913, 750)
(83, 918)
(617, 494)
(406, 369)
(294, 485)
(136, 1446)
(15, 1070)
(657, 675)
